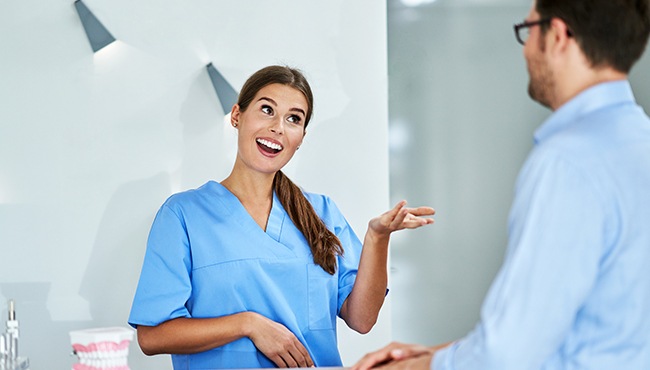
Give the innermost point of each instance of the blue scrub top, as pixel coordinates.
(207, 257)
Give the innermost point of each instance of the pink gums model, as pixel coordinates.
(101, 348)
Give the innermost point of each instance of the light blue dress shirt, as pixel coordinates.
(574, 289)
(207, 257)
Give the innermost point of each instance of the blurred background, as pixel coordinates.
(460, 126)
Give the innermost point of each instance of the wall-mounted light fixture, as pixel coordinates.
(98, 35)
(227, 95)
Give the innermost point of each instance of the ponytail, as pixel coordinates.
(324, 244)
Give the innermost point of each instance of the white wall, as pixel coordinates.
(91, 145)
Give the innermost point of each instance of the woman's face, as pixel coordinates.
(271, 129)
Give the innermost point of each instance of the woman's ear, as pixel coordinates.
(234, 115)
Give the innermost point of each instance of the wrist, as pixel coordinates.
(376, 237)
(248, 323)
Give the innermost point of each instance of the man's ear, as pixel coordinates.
(561, 33)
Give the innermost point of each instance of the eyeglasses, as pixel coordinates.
(523, 36)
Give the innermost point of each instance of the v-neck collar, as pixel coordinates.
(276, 219)
(274, 222)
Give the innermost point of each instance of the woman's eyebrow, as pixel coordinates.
(268, 99)
(299, 110)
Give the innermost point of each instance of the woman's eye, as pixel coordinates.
(266, 109)
(294, 119)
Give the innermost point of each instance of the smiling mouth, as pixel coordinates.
(269, 146)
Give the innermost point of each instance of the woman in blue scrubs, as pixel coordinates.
(252, 272)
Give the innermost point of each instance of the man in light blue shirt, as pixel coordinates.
(574, 289)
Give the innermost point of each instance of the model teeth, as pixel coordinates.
(270, 144)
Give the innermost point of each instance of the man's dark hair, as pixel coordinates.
(610, 32)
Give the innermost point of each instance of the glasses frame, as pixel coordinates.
(525, 25)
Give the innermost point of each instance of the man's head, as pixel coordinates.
(610, 33)
(575, 44)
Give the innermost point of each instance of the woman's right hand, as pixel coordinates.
(278, 343)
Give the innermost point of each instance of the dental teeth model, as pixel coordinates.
(101, 348)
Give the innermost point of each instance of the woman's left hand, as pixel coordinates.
(400, 217)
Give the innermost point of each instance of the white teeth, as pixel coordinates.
(270, 144)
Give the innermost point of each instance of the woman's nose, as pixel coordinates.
(277, 126)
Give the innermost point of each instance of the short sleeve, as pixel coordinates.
(348, 264)
(164, 286)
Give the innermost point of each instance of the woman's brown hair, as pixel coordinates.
(324, 244)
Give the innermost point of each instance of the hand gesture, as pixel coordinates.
(400, 217)
(279, 344)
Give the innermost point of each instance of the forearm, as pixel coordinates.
(190, 335)
(362, 306)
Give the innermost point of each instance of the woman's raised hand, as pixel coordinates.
(401, 217)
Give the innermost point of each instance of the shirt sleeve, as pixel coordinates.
(348, 264)
(164, 286)
(556, 240)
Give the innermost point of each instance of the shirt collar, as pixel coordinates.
(592, 99)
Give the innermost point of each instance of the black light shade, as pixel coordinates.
(97, 34)
(226, 94)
